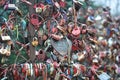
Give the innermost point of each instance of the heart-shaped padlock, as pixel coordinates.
(76, 32)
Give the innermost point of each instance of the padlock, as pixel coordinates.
(62, 22)
(77, 5)
(23, 24)
(41, 55)
(70, 73)
(4, 59)
(10, 6)
(63, 29)
(76, 32)
(5, 37)
(44, 72)
(44, 37)
(2, 20)
(28, 69)
(49, 2)
(13, 7)
(55, 64)
(54, 30)
(51, 69)
(35, 20)
(2, 2)
(57, 76)
(8, 50)
(62, 3)
(90, 20)
(15, 73)
(48, 68)
(84, 28)
(36, 70)
(57, 4)
(23, 69)
(70, 26)
(35, 41)
(39, 7)
(2, 50)
(31, 69)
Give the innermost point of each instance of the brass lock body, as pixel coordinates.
(35, 41)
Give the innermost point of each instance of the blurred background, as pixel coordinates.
(113, 4)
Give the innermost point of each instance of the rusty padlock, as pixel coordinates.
(35, 41)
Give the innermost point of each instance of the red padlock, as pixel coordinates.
(15, 73)
(54, 30)
(76, 32)
(35, 20)
(62, 3)
(36, 70)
